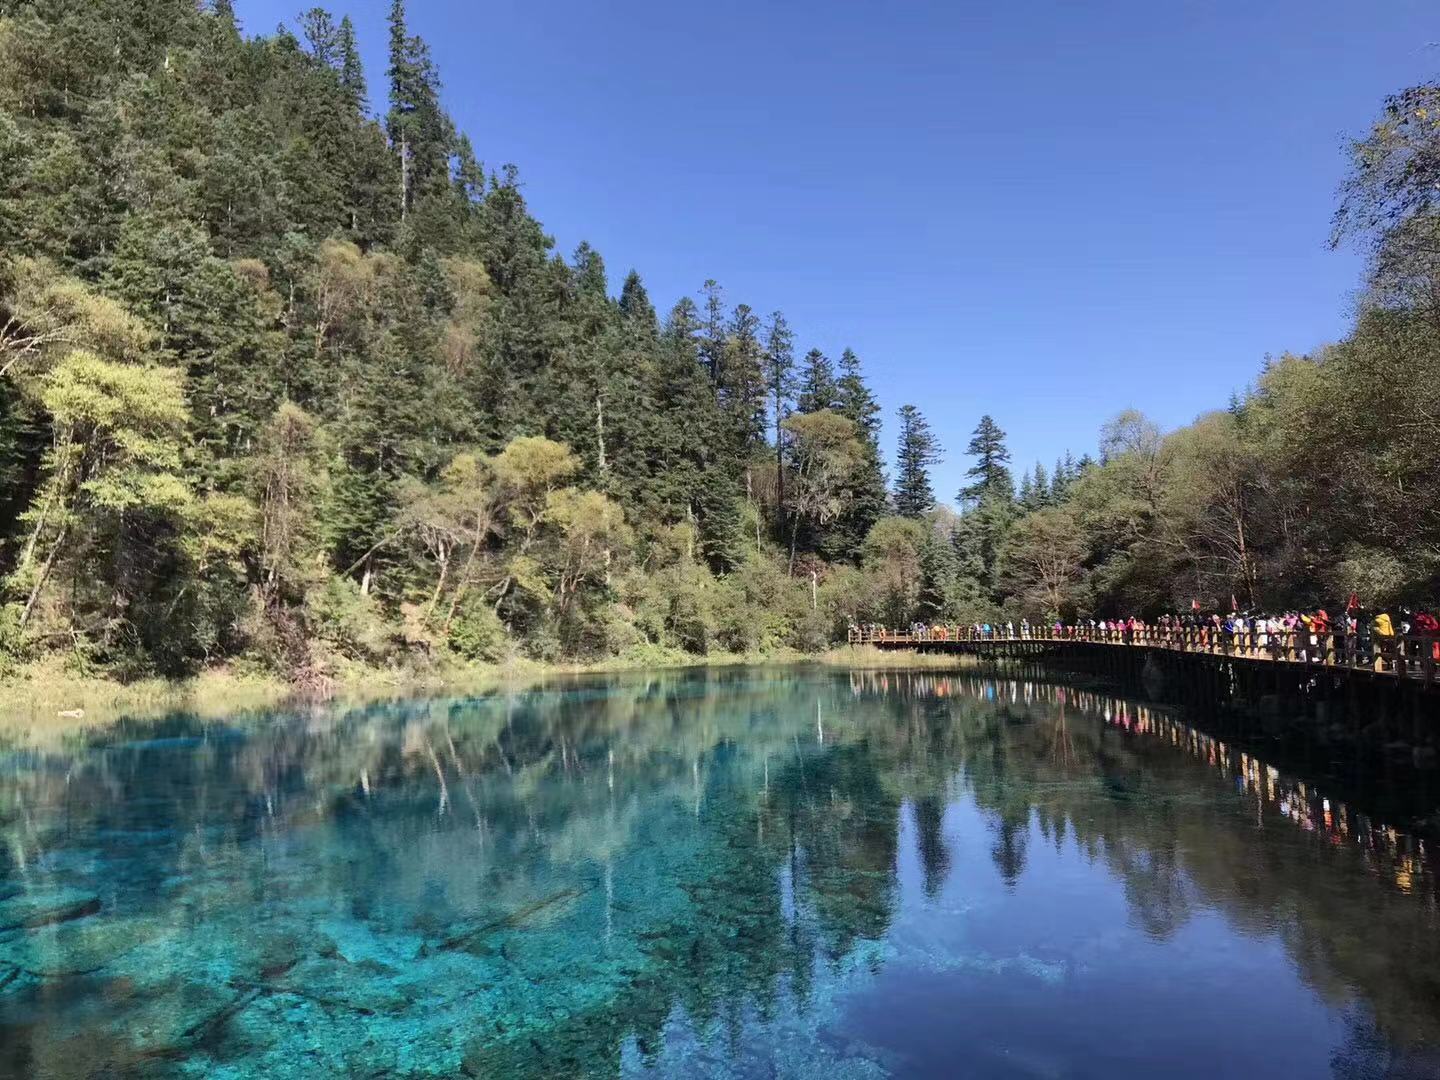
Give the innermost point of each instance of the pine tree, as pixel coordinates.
(224, 10)
(322, 36)
(1060, 479)
(990, 473)
(1026, 496)
(918, 449)
(989, 500)
(713, 335)
(352, 72)
(590, 278)
(780, 376)
(420, 132)
(867, 501)
(742, 385)
(635, 306)
(470, 191)
(694, 484)
(817, 384)
(1035, 492)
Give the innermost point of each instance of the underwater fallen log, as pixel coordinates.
(515, 918)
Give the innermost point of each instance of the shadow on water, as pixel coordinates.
(786, 872)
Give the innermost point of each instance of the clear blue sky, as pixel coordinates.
(1044, 211)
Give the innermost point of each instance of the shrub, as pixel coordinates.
(353, 623)
(476, 632)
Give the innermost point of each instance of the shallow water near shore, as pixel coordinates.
(793, 872)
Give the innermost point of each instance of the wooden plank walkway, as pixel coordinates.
(1410, 656)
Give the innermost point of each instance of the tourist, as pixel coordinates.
(1428, 626)
(1383, 634)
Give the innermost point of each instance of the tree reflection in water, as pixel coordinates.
(701, 873)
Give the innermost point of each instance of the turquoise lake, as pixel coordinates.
(791, 872)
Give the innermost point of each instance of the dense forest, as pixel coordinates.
(288, 379)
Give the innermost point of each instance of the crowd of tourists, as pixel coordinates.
(1354, 637)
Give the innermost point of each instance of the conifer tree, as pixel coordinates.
(1042, 486)
(989, 500)
(352, 72)
(635, 306)
(817, 384)
(419, 131)
(322, 36)
(991, 472)
(1060, 479)
(713, 336)
(868, 499)
(742, 385)
(224, 10)
(780, 377)
(918, 449)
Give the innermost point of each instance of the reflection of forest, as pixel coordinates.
(578, 862)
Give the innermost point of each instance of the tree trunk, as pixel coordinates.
(463, 588)
(35, 590)
(600, 431)
(750, 498)
(404, 175)
(779, 471)
(439, 588)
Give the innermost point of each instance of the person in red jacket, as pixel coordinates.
(1320, 624)
(1427, 625)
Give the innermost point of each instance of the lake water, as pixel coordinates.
(744, 873)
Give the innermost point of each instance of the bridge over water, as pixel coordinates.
(1410, 659)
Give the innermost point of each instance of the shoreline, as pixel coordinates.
(45, 700)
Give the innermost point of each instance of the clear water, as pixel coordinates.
(790, 873)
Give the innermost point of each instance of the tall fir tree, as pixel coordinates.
(817, 383)
(990, 475)
(742, 384)
(780, 380)
(352, 72)
(918, 449)
(713, 335)
(989, 501)
(635, 306)
(419, 130)
(867, 500)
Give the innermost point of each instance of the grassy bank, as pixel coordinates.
(869, 658)
(46, 701)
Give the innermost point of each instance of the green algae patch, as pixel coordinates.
(32, 910)
(78, 948)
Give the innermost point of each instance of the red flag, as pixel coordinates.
(1233, 605)
(1353, 603)
(1194, 605)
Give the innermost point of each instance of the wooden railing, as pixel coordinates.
(1407, 656)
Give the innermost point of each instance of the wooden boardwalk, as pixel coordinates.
(1408, 657)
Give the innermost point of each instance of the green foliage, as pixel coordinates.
(476, 633)
(918, 449)
(350, 621)
(284, 381)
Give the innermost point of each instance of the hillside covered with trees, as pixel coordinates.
(289, 379)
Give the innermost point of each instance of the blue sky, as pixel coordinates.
(1044, 211)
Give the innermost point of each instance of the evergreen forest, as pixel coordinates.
(290, 380)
